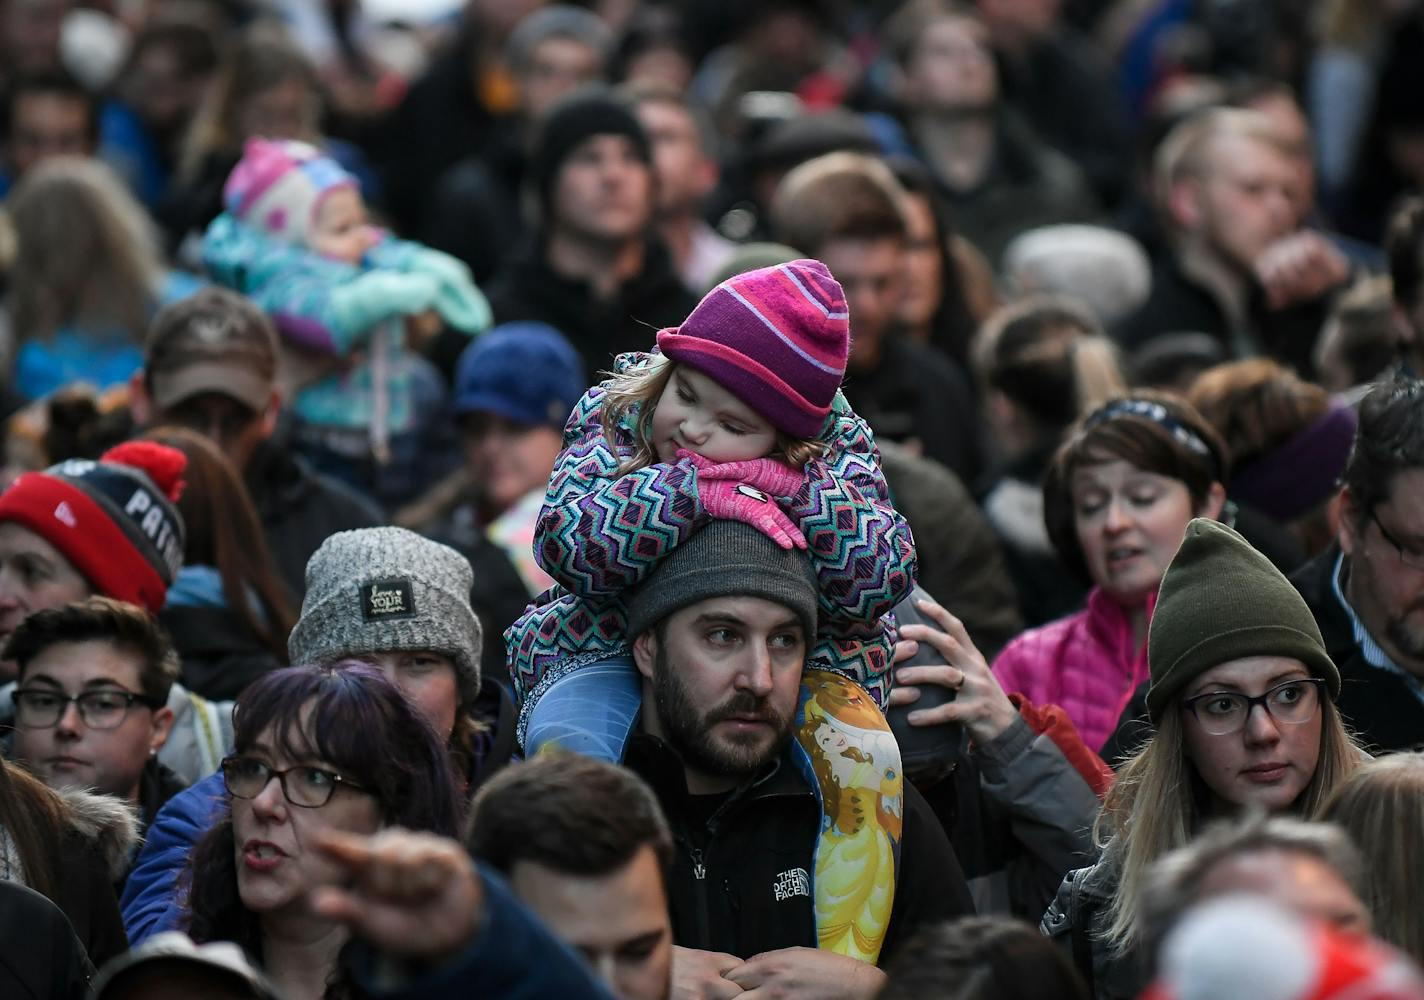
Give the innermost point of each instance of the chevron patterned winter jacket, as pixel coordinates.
(601, 534)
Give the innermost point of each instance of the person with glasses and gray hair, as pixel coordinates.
(1367, 590)
(1242, 695)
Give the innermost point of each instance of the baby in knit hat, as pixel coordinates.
(295, 238)
(736, 415)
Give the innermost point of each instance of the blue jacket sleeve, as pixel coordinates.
(512, 957)
(150, 903)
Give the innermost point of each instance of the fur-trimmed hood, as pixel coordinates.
(111, 824)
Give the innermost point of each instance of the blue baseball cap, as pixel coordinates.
(525, 372)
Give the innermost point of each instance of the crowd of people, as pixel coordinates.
(669, 501)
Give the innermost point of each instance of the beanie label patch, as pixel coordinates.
(65, 515)
(386, 600)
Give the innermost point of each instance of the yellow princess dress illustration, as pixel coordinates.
(856, 762)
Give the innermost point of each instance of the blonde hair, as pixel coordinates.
(262, 58)
(631, 396)
(1186, 153)
(1156, 806)
(87, 253)
(1381, 805)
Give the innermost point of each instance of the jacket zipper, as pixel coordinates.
(699, 883)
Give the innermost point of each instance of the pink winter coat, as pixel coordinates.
(1084, 663)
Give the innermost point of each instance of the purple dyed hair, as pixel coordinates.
(360, 724)
(363, 726)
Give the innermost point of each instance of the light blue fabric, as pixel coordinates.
(590, 711)
(197, 587)
(323, 305)
(101, 358)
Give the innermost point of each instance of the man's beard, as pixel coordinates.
(1406, 635)
(690, 732)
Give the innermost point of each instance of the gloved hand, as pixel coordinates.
(445, 269)
(766, 474)
(460, 302)
(465, 308)
(736, 501)
(376, 296)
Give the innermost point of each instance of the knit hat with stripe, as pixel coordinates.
(776, 338)
(278, 185)
(113, 519)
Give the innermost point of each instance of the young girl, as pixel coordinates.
(295, 239)
(737, 415)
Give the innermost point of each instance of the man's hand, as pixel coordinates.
(1301, 267)
(980, 705)
(411, 895)
(806, 974)
(697, 975)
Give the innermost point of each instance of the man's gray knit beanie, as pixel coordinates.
(379, 590)
(725, 559)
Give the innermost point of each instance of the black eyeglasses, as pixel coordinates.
(40, 708)
(1221, 713)
(1411, 558)
(303, 785)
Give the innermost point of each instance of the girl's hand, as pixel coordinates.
(735, 501)
(766, 474)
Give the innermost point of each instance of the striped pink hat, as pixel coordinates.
(776, 338)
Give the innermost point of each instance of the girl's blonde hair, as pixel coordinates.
(87, 253)
(1158, 803)
(633, 396)
(1381, 806)
(261, 58)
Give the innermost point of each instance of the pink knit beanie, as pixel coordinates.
(278, 186)
(776, 338)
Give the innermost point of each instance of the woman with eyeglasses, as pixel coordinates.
(1242, 695)
(316, 750)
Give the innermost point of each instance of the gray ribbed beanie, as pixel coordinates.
(377, 590)
(725, 559)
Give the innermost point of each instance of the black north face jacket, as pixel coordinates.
(741, 881)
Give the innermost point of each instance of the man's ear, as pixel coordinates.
(1214, 502)
(162, 726)
(708, 174)
(271, 413)
(645, 653)
(1183, 205)
(1348, 532)
(140, 402)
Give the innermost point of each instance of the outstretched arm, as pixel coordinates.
(438, 927)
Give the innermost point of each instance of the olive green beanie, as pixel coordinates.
(1222, 600)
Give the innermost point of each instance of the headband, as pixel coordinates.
(1302, 473)
(1158, 414)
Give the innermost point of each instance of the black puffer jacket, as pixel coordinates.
(92, 855)
(40, 956)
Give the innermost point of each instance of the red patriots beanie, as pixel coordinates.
(114, 519)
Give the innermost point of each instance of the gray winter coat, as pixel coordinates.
(1076, 919)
